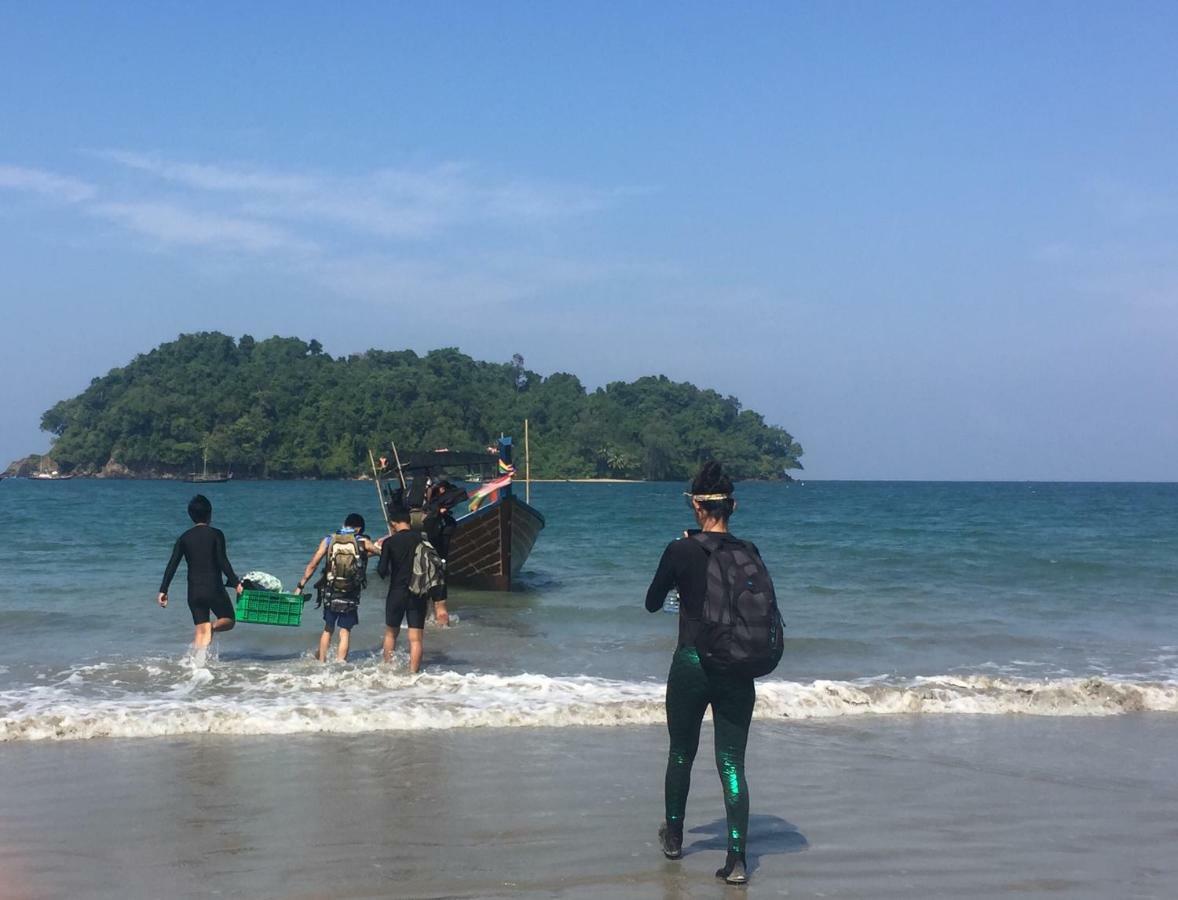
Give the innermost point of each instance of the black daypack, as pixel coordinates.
(740, 629)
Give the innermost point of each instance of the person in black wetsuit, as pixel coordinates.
(691, 688)
(202, 547)
(439, 528)
(396, 564)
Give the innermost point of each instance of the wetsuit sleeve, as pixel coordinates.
(386, 555)
(664, 580)
(223, 561)
(170, 571)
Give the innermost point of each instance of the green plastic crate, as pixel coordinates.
(269, 608)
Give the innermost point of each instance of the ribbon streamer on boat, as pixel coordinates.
(490, 487)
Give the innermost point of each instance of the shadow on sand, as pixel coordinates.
(767, 835)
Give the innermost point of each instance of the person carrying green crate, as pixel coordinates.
(203, 547)
(345, 573)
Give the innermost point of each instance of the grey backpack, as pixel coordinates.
(740, 629)
(428, 570)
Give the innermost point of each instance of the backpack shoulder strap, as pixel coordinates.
(712, 541)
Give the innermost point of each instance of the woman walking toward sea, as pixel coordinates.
(691, 687)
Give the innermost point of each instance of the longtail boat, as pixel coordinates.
(496, 532)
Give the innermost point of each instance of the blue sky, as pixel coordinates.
(931, 240)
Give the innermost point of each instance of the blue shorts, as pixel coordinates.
(348, 620)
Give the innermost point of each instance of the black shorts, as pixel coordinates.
(409, 608)
(220, 607)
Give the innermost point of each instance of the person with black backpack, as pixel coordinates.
(344, 555)
(730, 632)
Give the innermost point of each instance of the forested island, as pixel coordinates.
(282, 408)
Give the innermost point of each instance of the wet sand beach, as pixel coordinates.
(963, 806)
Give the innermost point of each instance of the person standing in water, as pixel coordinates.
(692, 688)
(202, 547)
(402, 605)
(345, 575)
(439, 528)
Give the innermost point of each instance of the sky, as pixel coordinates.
(931, 240)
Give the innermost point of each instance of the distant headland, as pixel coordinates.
(282, 408)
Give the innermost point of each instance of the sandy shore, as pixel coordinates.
(950, 806)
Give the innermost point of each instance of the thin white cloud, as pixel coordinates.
(171, 224)
(47, 184)
(212, 177)
(389, 203)
(434, 234)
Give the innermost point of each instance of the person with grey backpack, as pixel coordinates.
(344, 554)
(730, 632)
(414, 571)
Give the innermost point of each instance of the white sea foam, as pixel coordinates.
(304, 697)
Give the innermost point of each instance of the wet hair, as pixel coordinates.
(354, 521)
(200, 510)
(712, 480)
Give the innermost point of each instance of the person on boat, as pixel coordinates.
(439, 528)
(344, 555)
(402, 605)
(202, 547)
(692, 688)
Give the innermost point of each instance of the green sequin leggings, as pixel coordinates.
(690, 689)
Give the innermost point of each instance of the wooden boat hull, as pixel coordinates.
(490, 545)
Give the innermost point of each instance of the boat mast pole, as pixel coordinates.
(527, 466)
(379, 493)
(397, 459)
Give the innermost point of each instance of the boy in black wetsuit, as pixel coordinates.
(203, 547)
(396, 564)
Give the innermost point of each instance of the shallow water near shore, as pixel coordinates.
(1046, 599)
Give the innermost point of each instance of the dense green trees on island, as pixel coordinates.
(282, 408)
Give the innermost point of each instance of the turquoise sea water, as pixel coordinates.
(930, 598)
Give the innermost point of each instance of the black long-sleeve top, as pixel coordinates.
(439, 529)
(203, 548)
(396, 561)
(684, 565)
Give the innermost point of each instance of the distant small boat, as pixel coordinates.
(203, 477)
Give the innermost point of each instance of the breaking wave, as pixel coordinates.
(169, 698)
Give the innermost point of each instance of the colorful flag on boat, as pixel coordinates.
(506, 468)
(489, 488)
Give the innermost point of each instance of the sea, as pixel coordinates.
(901, 599)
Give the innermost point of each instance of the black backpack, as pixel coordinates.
(740, 630)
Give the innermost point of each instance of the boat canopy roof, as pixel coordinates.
(429, 460)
